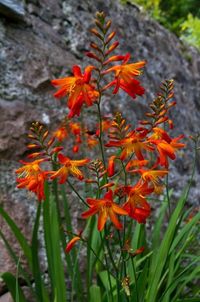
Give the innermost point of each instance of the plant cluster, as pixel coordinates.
(123, 263)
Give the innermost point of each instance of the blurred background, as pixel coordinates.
(181, 17)
(42, 39)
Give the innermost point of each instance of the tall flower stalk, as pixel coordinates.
(125, 180)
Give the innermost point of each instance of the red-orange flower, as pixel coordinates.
(79, 89)
(153, 176)
(133, 143)
(125, 77)
(166, 146)
(75, 128)
(106, 208)
(68, 167)
(32, 177)
(133, 88)
(60, 133)
(136, 205)
(91, 141)
(71, 243)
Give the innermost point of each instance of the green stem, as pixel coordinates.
(107, 265)
(168, 198)
(79, 196)
(135, 278)
(121, 257)
(109, 250)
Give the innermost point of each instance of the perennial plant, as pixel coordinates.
(124, 260)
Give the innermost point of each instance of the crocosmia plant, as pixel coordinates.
(135, 241)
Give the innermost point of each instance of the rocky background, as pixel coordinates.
(41, 40)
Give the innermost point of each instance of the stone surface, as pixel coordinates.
(54, 36)
(13, 9)
(6, 298)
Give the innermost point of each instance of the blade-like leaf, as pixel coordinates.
(39, 285)
(53, 247)
(95, 293)
(161, 255)
(18, 235)
(15, 258)
(16, 291)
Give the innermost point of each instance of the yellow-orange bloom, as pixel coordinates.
(127, 71)
(106, 208)
(166, 146)
(133, 143)
(153, 176)
(79, 89)
(29, 168)
(60, 133)
(125, 77)
(68, 167)
(32, 177)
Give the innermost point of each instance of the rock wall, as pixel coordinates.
(41, 40)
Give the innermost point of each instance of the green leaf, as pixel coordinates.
(185, 277)
(15, 258)
(95, 293)
(184, 231)
(105, 281)
(189, 300)
(18, 235)
(13, 286)
(39, 285)
(160, 257)
(170, 276)
(72, 257)
(94, 241)
(53, 247)
(156, 235)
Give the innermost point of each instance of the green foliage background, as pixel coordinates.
(180, 16)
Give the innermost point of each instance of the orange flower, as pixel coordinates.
(133, 88)
(132, 143)
(153, 176)
(175, 144)
(124, 77)
(91, 141)
(78, 88)
(111, 165)
(136, 163)
(71, 243)
(75, 128)
(136, 205)
(160, 134)
(68, 167)
(106, 124)
(32, 177)
(60, 133)
(165, 145)
(105, 208)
